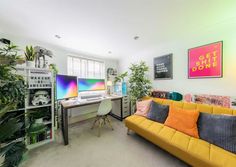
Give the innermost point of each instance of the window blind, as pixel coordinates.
(85, 68)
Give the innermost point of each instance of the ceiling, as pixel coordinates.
(100, 26)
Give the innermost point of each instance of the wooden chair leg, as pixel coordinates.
(94, 122)
(109, 122)
(99, 127)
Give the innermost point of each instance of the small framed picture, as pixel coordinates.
(163, 67)
(206, 61)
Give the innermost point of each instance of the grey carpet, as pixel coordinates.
(112, 149)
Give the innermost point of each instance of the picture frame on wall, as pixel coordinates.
(163, 67)
(206, 61)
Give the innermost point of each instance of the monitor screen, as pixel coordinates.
(66, 87)
(91, 84)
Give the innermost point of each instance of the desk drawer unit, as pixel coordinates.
(126, 107)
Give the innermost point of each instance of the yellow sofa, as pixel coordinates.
(193, 151)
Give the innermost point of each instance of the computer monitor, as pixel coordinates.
(91, 84)
(66, 87)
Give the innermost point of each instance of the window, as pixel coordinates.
(86, 68)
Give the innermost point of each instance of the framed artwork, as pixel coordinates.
(163, 67)
(206, 61)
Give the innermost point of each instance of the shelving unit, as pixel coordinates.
(38, 80)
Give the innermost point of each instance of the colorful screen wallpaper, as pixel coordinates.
(66, 86)
(91, 84)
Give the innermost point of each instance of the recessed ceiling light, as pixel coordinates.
(109, 52)
(57, 36)
(136, 37)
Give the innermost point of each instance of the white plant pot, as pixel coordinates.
(30, 64)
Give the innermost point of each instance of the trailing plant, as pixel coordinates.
(139, 84)
(11, 97)
(121, 77)
(53, 68)
(30, 53)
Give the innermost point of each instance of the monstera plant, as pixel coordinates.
(11, 97)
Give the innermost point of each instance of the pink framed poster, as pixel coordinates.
(206, 61)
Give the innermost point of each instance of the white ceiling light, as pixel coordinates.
(57, 36)
(136, 37)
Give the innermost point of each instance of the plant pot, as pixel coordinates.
(39, 121)
(30, 64)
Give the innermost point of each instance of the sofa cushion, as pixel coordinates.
(158, 112)
(143, 107)
(183, 120)
(219, 130)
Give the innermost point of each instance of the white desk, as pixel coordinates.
(78, 103)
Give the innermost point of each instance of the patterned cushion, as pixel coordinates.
(143, 107)
(158, 112)
(219, 130)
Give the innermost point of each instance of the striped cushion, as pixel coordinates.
(219, 130)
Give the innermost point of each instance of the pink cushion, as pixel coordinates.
(143, 107)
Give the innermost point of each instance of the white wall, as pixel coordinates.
(60, 54)
(225, 31)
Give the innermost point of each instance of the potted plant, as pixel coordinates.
(30, 56)
(12, 150)
(139, 84)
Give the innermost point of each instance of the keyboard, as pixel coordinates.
(93, 99)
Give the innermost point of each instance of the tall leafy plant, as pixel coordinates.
(139, 84)
(11, 98)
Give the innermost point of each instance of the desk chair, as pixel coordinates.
(102, 115)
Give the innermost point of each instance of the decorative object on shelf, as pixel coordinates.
(124, 89)
(111, 74)
(217, 100)
(109, 85)
(206, 61)
(39, 81)
(139, 84)
(30, 56)
(41, 97)
(167, 95)
(12, 148)
(163, 67)
(41, 53)
(120, 81)
(111, 71)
